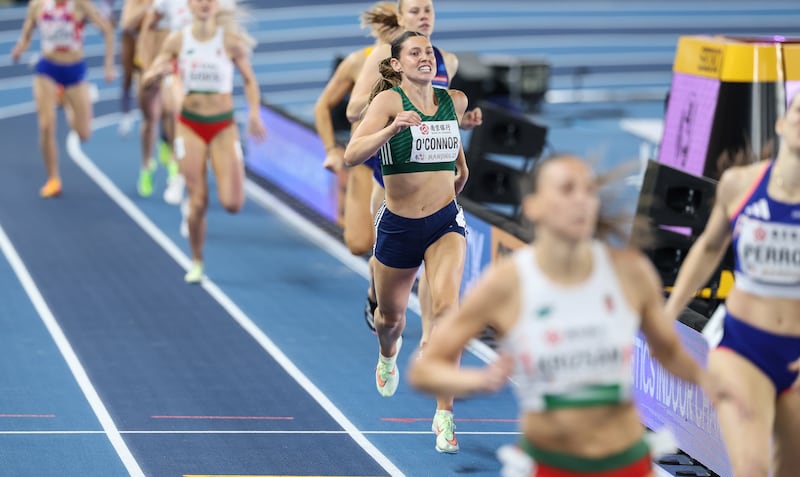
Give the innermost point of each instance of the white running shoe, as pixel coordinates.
(444, 428)
(185, 218)
(387, 376)
(125, 123)
(173, 194)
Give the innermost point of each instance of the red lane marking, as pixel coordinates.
(35, 416)
(242, 418)
(417, 419)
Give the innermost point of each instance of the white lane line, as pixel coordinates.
(338, 250)
(65, 348)
(113, 192)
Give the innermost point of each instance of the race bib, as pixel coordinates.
(58, 34)
(435, 141)
(769, 252)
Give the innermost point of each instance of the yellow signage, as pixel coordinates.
(728, 59)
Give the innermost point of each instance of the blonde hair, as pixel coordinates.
(381, 19)
(230, 17)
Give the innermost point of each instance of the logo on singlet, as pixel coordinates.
(758, 209)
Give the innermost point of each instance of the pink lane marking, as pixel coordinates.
(240, 418)
(32, 416)
(417, 419)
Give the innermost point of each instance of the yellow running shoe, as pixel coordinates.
(164, 153)
(51, 188)
(145, 184)
(195, 273)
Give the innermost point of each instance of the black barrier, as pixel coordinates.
(500, 152)
(671, 197)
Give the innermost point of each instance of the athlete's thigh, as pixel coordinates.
(44, 93)
(191, 152)
(358, 216)
(746, 416)
(228, 165)
(444, 267)
(787, 434)
(80, 101)
(393, 287)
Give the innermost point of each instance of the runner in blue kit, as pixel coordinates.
(420, 220)
(757, 353)
(61, 72)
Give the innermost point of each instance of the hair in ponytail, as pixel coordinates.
(389, 78)
(381, 19)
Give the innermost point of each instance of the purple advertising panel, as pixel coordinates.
(664, 400)
(688, 122)
(291, 157)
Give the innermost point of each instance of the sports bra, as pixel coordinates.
(432, 146)
(572, 345)
(205, 65)
(766, 242)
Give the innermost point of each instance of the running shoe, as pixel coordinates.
(125, 124)
(195, 273)
(164, 153)
(444, 428)
(51, 188)
(173, 194)
(369, 313)
(145, 184)
(387, 376)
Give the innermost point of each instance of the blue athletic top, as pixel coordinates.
(766, 242)
(442, 79)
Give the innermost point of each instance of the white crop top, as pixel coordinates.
(59, 28)
(175, 14)
(205, 66)
(572, 346)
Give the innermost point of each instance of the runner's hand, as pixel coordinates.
(404, 120)
(471, 119)
(255, 127)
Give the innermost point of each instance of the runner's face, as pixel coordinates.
(204, 9)
(566, 200)
(417, 15)
(417, 61)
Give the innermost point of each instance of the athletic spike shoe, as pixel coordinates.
(444, 428)
(164, 153)
(173, 194)
(51, 188)
(195, 273)
(369, 313)
(387, 376)
(125, 124)
(145, 184)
